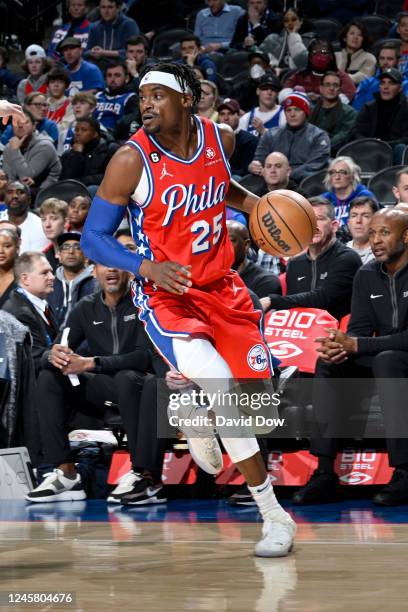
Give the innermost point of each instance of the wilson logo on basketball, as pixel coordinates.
(284, 350)
(275, 232)
(355, 478)
(209, 153)
(257, 358)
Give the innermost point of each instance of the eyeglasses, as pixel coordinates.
(39, 104)
(70, 247)
(331, 85)
(340, 172)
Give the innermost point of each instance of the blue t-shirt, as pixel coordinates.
(88, 76)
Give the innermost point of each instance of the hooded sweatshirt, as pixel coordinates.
(67, 293)
(111, 35)
(343, 206)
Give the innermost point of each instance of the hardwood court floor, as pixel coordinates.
(198, 556)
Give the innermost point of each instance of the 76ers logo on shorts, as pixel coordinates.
(257, 358)
(209, 153)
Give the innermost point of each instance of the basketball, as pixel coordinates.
(282, 223)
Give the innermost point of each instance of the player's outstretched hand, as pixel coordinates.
(8, 109)
(170, 275)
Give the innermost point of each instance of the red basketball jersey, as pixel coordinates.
(177, 211)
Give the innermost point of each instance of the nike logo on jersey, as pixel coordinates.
(97, 322)
(373, 297)
(301, 278)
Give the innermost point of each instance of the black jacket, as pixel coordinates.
(261, 282)
(379, 306)
(325, 282)
(42, 334)
(245, 147)
(89, 165)
(115, 335)
(366, 122)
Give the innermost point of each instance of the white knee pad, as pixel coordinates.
(240, 448)
(197, 358)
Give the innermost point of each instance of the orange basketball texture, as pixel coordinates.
(282, 223)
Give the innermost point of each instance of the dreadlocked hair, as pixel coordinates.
(183, 74)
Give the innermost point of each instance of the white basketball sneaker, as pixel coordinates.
(278, 534)
(201, 440)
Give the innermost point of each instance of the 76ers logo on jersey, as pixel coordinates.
(209, 153)
(257, 358)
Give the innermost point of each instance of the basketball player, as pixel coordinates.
(174, 179)
(8, 109)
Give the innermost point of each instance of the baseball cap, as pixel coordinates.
(393, 74)
(34, 51)
(262, 56)
(68, 236)
(69, 41)
(269, 80)
(298, 99)
(230, 104)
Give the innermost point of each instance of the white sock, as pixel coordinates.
(264, 496)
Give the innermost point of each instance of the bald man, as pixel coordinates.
(262, 283)
(375, 346)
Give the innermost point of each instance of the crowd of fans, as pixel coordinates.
(293, 99)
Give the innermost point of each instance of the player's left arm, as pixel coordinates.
(237, 196)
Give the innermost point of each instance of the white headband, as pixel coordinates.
(155, 77)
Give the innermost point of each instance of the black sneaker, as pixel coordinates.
(322, 488)
(395, 493)
(145, 492)
(242, 497)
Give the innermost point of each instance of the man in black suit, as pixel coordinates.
(28, 301)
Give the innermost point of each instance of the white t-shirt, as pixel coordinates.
(245, 120)
(365, 254)
(32, 235)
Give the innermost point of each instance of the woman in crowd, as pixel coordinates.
(36, 66)
(78, 209)
(37, 105)
(354, 57)
(9, 244)
(320, 60)
(209, 101)
(343, 183)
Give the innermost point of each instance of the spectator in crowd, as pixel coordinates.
(83, 106)
(108, 35)
(60, 108)
(268, 113)
(321, 59)
(354, 57)
(31, 157)
(362, 210)
(244, 90)
(73, 278)
(9, 245)
(78, 209)
(3, 185)
(28, 301)
(136, 58)
(18, 201)
(323, 276)
(254, 25)
(89, 155)
(400, 189)
(8, 79)
(374, 347)
(53, 214)
(36, 66)
(331, 114)
(387, 58)
(77, 25)
(85, 76)
(343, 183)
(245, 143)
(306, 146)
(402, 30)
(120, 355)
(193, 55)
(289, 48)
(215, 25)
(386, 117)
(262, 283)
(36, 103)
(208, 101)
(116, 100)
